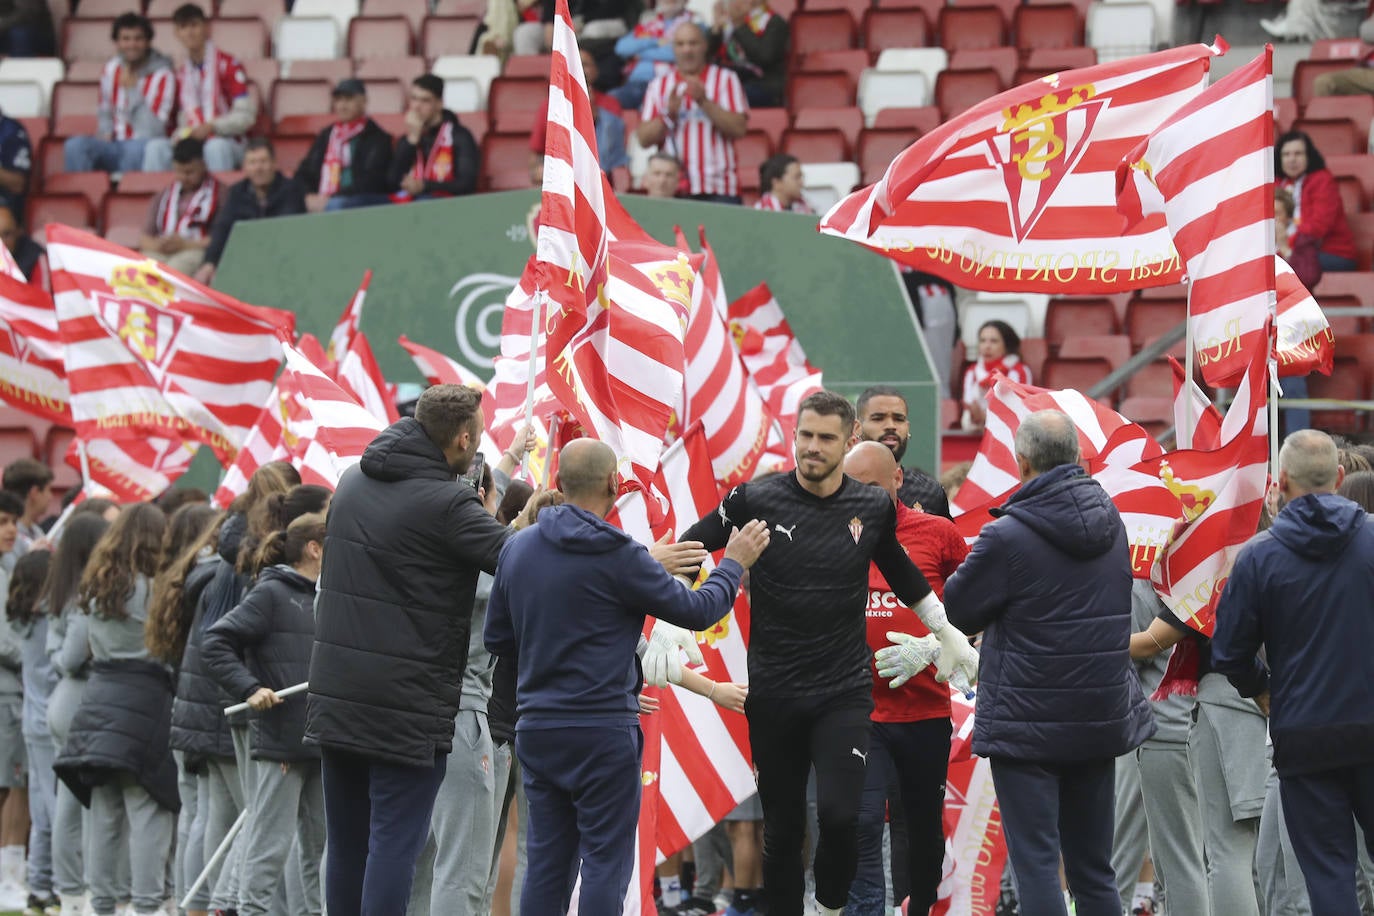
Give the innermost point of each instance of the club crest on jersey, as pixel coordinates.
(136, 311)
(856, 528)
(1039, 144)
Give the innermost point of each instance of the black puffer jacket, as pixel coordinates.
(404, 544)
(265, 642)
(199, 727)
(121, 727)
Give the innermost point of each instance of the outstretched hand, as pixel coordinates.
(747, 543)
(681, 559)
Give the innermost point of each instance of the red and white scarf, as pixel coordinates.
(198, 88)
(194, 223)
(438, 165)
(338, 154)
(157, 89)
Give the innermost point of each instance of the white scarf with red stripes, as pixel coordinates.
(198, 88)
(194, 223)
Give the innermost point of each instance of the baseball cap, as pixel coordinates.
(350, 87)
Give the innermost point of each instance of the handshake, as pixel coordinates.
(946, 647)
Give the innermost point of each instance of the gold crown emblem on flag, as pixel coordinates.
(142, 281)
(674, 281)
(1049, 105)
(1195, 500)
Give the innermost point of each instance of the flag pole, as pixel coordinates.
(85, 465)
(541, 308)
(1183, 438)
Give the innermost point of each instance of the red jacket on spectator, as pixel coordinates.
(1321, 215)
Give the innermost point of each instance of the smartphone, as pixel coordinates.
(474, 475)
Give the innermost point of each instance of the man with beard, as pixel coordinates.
(810, 691)
(883, 418)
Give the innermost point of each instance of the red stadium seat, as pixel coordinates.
(145, 182)
(381, 36)
(385, 96)
(121, 209)
(1155, 380)
(1347, 382)
(949, 413)
(443, 35)
(404, 69)
(1114, 348)
(290, 152)
(1155, 414)
(55, 444)
(854, 7)
(331, 70)
(1359, 347)
(50, 158)
(512, 104)
(833, 89)
(849, 120)
(531, 65)
(94, 185)
(1358, 109)
(849, 60)
(971, 28)
(922, 120)
(1362, 227)
(1352, 194)
(1305, 73)
(1078, 374)
(1334, 134)
(1057, 25)
(900, 27)
(87, 39)
(1003, 60)
(772, 121)
(476, 8)
(75, 99)
(414, 11)
(827, 30)
(1148, 319)
(930, 7)
(300, 97)
(69, 209)
(1034, 352)
(821, 145)
(475, 121)
(246, 39)
(1358, 286)
(17, 442)
(505, 158)
(1285, 113)
(1077, 317)
(1056, 59)
(750, 152)
(878, 146)
(265, 11)
(303, 125)
(102, 9)
(1346, 49)
(956, 91)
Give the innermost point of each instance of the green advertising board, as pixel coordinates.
(442, 270)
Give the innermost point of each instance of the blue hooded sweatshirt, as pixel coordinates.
(1304, 590)
(568, 604)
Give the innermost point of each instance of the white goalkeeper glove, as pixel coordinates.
(958, 662)
(907, 657)
(662, 661)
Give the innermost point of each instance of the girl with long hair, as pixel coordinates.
(69, 652)
(999, 350)
(265, 642)
(117, 758)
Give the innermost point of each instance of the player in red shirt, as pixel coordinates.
(910, 741)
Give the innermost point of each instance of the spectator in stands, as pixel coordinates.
(752, 41)
(137, 97)
(610, 127)
(1300, 251)
(999, 350)
(648, 50)
(781, 178)
(496, 34)
(16, 162)
(264, 192)
(437, 157)
(663, 177)
(214, 103)
(1318, 214)
(348, 163)
(177, 229)
(1355, 80)
(31, 482)
(27, 253)
(26, 29)
(1302, 20)
(696, 111)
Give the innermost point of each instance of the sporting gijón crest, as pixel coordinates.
(135, 311)
(1039, 145)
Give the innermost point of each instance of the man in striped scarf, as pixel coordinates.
(137, 97)
(177, 230)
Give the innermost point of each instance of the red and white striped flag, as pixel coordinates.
(134, 470)
(571, 251)
(9, 267)
(348, 326)
(33, 377)
(1221, 494)
(1194, 413)
(1209, 169)
(975, 849)
(438, 369)
(1303, 340)
(150, 352)
(263, 444)
(774, 359)
(732, 411)
(1018, 192)
(510, 377)
(360, 376)
(326, 430)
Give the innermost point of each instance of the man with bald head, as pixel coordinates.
(909, 745)
(1301, 591)
(1048, 582)
(568, 604)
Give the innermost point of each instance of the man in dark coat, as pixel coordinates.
(404, 545)
(348, 163)
(1049, 583)
(1302, 591)
(263, 193)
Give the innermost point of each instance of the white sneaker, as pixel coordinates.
(13, 896)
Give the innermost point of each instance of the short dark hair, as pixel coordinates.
(829, 404)
(132, 21)
(877, 391)
(23, 475)
(444, 411)
(260, 143)
(188, 13)
(188, 150)
(9, 207)
(1010, 339)
(773, 168)
(11, 504)
(1315, 161)
(430, 83)
(1359, 487)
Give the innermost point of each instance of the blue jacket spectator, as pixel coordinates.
(16, 163)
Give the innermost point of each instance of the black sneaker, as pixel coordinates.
(696, 906)
(1008, 905)
(41, 906)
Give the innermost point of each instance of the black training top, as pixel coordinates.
(809, 590)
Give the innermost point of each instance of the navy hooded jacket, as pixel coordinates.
(568, 604)
(1049, 584)
(1304, 590)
